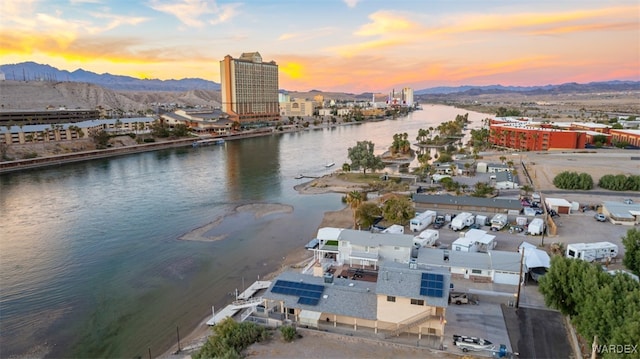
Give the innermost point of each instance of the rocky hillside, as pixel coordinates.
(37, 95)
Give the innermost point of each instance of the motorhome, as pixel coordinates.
(590, 252)
(462, 220)
(536, 227)
(427, 238)
(498, 222)
(421, 221)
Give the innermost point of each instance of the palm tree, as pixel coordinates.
(354, 200)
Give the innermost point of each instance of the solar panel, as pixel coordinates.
(309, 294)
(432, 285)
(308, 301)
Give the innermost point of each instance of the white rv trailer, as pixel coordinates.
(536, 226)
(462, 221)
(421, 221)
(590, 252)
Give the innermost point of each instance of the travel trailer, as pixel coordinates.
(421, 221)
(427, 238)
(536, 226)
(498, 222)
(482, 220)
(461, 221)
(590, 252)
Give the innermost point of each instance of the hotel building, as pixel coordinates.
(249, 88)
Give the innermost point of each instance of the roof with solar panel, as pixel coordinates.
(342, 297)
(423, 282)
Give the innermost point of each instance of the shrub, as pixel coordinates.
(620, 182)
(230, 338)
(573, 180)
(288, 333)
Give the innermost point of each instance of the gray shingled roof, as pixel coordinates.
(366, 238)
(498, 260)
(467, 201)
(397, 279)
(358, 300)
(506, 177)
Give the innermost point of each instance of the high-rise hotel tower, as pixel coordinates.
(249, 88)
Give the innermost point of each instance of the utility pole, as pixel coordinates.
(520, 279)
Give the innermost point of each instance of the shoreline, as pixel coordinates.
(81, 156)
(295, 259)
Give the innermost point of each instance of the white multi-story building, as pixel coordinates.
(249, 88)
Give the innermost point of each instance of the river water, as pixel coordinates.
(90, 261)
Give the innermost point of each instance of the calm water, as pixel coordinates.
(90, 263)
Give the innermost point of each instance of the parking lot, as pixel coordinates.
(577, 227)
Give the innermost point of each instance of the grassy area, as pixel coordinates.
(359, 177)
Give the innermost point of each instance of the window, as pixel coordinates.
(417, 301)
(476, 271)
(391, 298)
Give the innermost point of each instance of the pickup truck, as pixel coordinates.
(458, 298)
(472, 343)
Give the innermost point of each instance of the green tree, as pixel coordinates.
(631, 244)
(181, 130)
(354, 199)
(367, 213)
(398, 209)
(362, 156)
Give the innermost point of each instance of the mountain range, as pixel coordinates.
(32, 71)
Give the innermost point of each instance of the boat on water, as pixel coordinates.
(299, 176)
(330, 164)
(208, 142)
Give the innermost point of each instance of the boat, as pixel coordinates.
(299, 176)
(207, 142)
(330, 164)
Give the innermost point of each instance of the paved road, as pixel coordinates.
(537, 333)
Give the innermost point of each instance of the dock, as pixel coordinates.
(245, 299)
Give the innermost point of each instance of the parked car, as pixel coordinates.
(600, 217)
(439, 222)
(472, 343)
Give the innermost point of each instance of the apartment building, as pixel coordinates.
(249, 88)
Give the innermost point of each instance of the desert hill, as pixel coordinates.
(38, 95)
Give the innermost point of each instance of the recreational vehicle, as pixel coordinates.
(421, 221)
(427, 238)
(536, 226)
(498, 222)
(461, 221)
(590, 252)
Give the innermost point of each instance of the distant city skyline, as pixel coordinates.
(335, 45)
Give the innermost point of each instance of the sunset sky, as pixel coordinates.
(334, 45)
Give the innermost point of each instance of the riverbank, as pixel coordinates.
(48, 154)
(293, 260)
